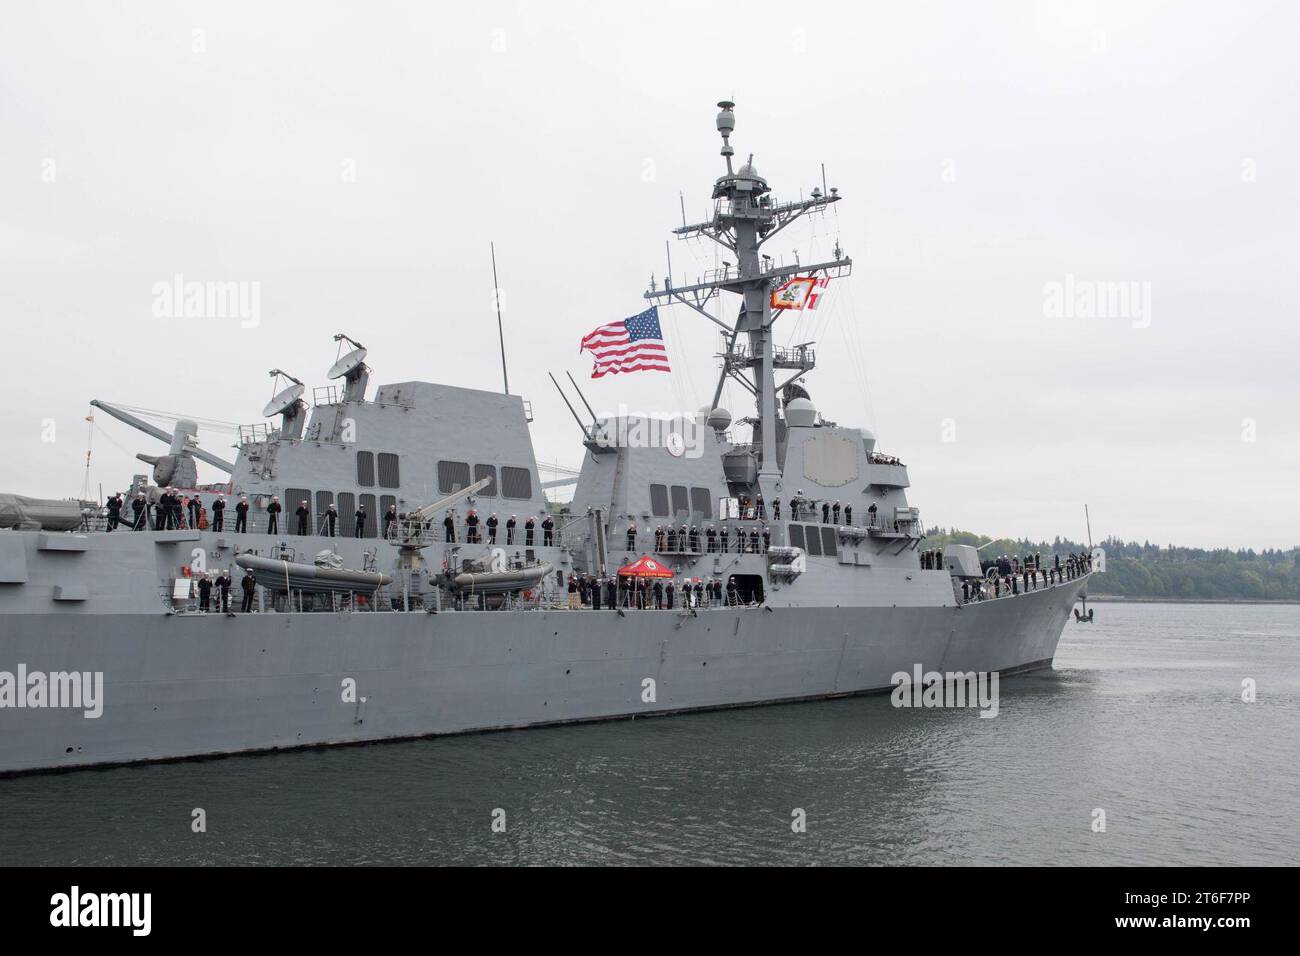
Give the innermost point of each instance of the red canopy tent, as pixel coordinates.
(645, 567)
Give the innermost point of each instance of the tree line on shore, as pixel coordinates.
(1143, 569)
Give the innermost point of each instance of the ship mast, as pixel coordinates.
(745, 216)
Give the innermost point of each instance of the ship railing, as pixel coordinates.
(256, 433)
(325, 395)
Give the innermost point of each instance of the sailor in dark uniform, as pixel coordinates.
(492, 528)
(672, 538)
(249, 587)
(241, 514)
(205, 592)
(776, 509)
(390, 519)
(139, 509)
(361, 521)
(449, 525)
(767, 540)
(835, 513)
(710, 539)
(631, 537)
(848, 514)
(223, 591)
(304, 517)
(528, 531)
(695, 539)
(826, 513)
(331, 519)
(510, 530)
(723, 535)
(471, 527)
(273, 515)
(871, 515)
(195, 507)
(219, 513)
(548, 531)
(668, 595)
(114, 512)
(753, 540)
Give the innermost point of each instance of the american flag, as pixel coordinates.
(633, 345)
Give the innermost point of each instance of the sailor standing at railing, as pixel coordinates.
(273, 515)
(331, 519)
(492, 528)
(219, 513)
(304, 518)
(510, 529)
(241, 514)
(548, 531)
(390, 519)
(360, 521)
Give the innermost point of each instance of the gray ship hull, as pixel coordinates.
(191, 685)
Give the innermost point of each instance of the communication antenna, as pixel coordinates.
(288, 404)
(352, 368)
(285, 399)
(501, 335)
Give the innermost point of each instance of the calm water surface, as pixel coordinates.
(1142, 717)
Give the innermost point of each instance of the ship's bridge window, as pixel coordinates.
(814, 541)
(452, 476)
(516, 483)
(366, 469)
(701, 501)
(486, 471)
(681, 501)
(659, 501)
(389, 473)
(796, 537)
(828, 542)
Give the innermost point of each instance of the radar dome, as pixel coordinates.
(800, 413)
(719, 419)
(868, 440)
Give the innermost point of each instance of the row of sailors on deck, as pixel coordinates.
(175, 511)
(643, 594)
(802, 508)
(687, 539)
(1028, 576)
(493, 525)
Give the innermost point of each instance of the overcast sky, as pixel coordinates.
(356, 159)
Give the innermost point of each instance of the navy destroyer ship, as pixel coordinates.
(397, 571)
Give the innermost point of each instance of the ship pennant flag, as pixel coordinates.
(634, 345)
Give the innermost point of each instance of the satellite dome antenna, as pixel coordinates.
(287, 403)
(352, 368)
